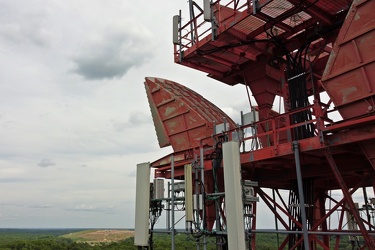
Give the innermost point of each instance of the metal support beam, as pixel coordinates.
(348, 198)
(201, 157)
(173, 200)
(301, 196)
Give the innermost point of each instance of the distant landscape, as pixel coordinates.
(64, 239)
(109, 239)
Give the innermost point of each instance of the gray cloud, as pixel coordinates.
(134, 120)
(114, 52)
(46, 163)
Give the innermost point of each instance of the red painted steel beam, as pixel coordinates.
(368, 239)
(334, 208)
(220, 60)
(266, 199)
(202, 67)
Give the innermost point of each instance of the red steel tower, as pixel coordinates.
(318, 56)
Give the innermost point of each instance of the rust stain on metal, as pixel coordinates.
(357, 16)
(169, 110)
(347, 92)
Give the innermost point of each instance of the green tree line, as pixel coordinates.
(50, 240)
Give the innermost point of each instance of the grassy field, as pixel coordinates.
(95, 236)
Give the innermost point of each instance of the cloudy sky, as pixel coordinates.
(74, 118)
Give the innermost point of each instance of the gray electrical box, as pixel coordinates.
(248, 192)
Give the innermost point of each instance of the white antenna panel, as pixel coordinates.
(142, 204)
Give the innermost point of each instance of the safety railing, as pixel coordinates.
(277, 129)
(197, 28)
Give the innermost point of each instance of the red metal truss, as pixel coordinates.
(335, 41)
(243, 39)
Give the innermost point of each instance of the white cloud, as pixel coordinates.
(42, 205)
(92, 208)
